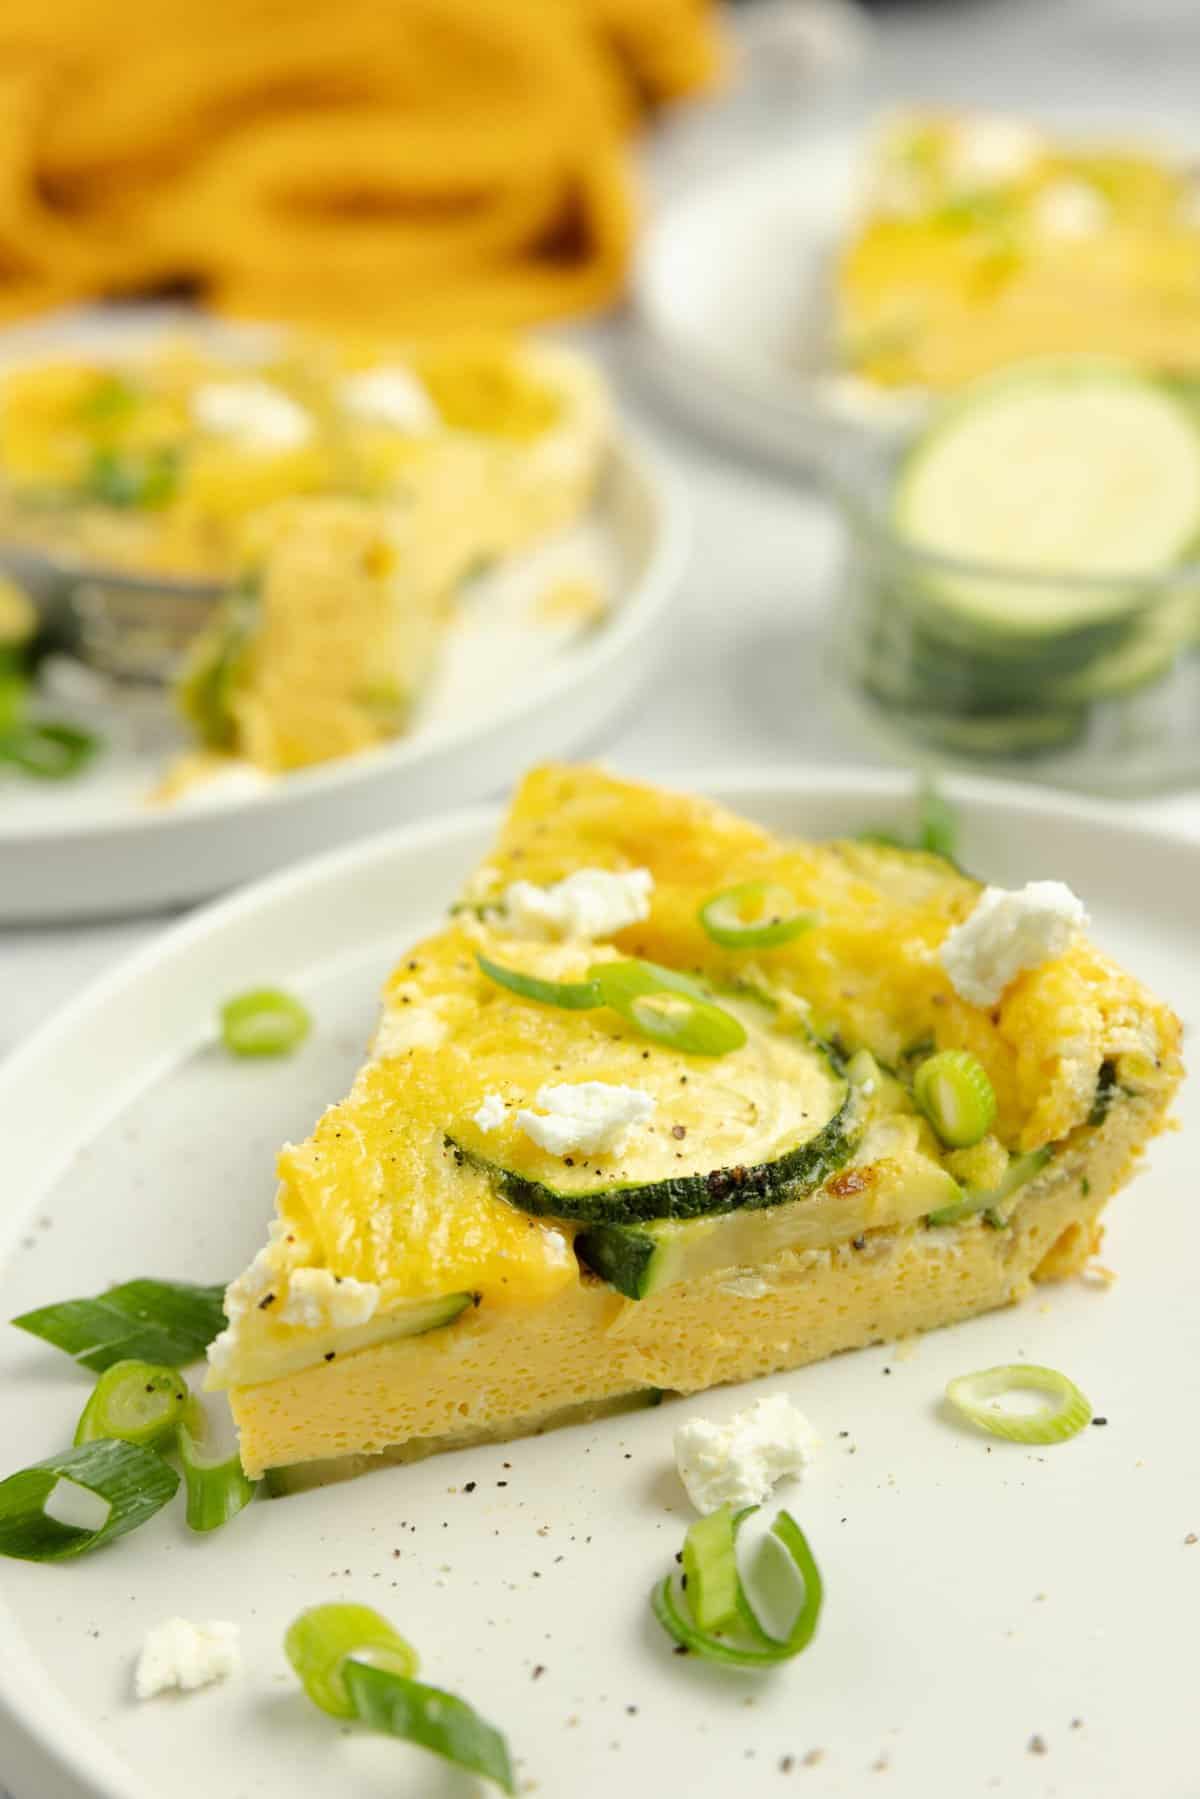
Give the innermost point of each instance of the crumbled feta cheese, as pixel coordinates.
(1069, 210)
(988, 151)
(492, 1113)
(1008, 933)
(390, 396)
(319, 1300)
(592, 902)
(738, 1463)
(592, 1116)
(261, 415)
(183, 1656)
(69, 1503)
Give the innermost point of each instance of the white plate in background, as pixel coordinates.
(507, 694)
(978, 1594)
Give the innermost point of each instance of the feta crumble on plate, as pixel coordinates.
(592, 1116)
(592, 902)
(738, 1463)
(1007, 933)
(181, 1656)
(262, 416)
(390, 396)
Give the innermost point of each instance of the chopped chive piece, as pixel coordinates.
(48, 752)
(145, 480)
(320, 1639)
(755, 915)
(574, 996)
(977, 1397)
(710, 1569)
(135, 1402)
(955, 1094)
(767, 1650)
(218, 1487)
(668, 1008)
(110, 401)
(354, 1665)
(429, 1717)
(938, 824)
(264, 1022)
(168, 1322)
(936, 832)
(45, 1515)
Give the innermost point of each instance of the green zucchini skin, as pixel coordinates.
(791, 1176)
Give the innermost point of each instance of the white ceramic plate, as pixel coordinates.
(731, 286)
(978, 1594)
(508, 693)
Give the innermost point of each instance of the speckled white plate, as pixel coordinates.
(511, 688)
(979, 1595)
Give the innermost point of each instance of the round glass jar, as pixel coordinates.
(1102, 694)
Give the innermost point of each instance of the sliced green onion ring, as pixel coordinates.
(134, 1402)
(168, 1322)
(710, 1570)
(574, 996)
(44, 1510)
(48, 752)
(429, 1717)
(755, 915)
(668, 1008)
(976, 1397)
(953, 1090)
(320, 1639)
(769, 1650)
(353, 1664)
(264, 1022)
(218, 1487)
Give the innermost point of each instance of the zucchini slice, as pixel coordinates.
(1076, 468)
(757, 1127)
(890, 1182)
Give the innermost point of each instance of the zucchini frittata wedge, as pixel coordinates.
(671, 1102)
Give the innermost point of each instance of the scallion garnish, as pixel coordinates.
(953, 1090)
(710, 1570)
(665, 1006)
(937, 828)
(668, 1008)
(264, 1022)
(82, 1499)
(978, 1397)
(574, 996)
(48, 752)
(218, 1488)
(168, 1322)
(429, 1717)
(135, 1402)
(146, 479)
(755, 915)
(1020, 1169)
(354, 1665)
(320, 1639)
(766, 1650)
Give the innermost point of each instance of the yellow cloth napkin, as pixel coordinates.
(406, 164)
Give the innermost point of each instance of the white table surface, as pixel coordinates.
(745, 684)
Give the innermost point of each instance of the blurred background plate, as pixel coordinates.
(505, 696)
